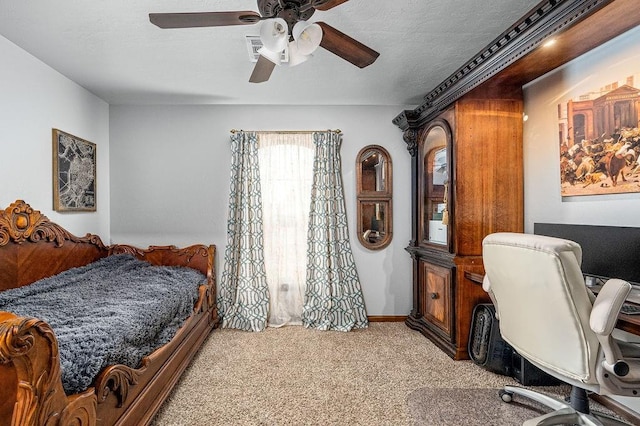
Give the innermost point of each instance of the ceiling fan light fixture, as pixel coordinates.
(295, 57)
(275, 57)
(274, 34)
(307, 37)
(278, 17)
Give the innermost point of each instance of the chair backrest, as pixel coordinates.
(542, 301)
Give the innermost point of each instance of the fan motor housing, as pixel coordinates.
(292, 12)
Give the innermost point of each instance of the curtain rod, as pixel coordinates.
(284, 132)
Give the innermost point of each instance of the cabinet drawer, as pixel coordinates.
(435, 295)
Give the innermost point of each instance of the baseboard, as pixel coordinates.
(618, 408)
(387, 318)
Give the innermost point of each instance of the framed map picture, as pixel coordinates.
(74, 173)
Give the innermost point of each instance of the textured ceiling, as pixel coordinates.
(110, 48)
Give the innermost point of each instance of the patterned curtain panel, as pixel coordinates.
(333, 297)
(243, 301)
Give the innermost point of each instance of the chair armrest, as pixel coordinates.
(607, 305)
(486, 286)
(604, 316)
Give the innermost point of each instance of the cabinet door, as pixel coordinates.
(435, 186)
(435, 297)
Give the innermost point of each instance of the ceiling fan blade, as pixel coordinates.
(328, 4)
(262, 71)
(347, 48)
(203, 19)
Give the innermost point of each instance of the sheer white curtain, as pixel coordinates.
(286, 175)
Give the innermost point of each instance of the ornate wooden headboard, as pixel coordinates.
(32, 247)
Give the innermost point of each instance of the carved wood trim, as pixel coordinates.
(187, 252)
(19, 223)
(117, 380)
(410, 137)
(81, 410)
(30, 346)
(548, 18)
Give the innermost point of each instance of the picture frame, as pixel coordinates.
(74, 173)
(599, 137)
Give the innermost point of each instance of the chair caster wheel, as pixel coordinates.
(506, 396)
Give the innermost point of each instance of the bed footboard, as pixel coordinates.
(31, 391)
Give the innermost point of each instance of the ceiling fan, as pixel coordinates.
(284, 20)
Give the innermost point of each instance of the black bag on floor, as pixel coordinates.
(486, 346)
(490, 351)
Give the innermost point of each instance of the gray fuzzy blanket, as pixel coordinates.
(113, 311)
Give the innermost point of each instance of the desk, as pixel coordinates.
(628, 323)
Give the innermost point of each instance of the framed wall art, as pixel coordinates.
(600, 138)
(74, 173)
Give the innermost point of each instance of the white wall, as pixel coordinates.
(170, 168)
(613, 60)
(34, 98)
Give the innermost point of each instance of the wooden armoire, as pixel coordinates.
(466, 147)
(467, 183)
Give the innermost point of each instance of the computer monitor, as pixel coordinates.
(607, 251)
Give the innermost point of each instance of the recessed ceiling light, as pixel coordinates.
(549, 42)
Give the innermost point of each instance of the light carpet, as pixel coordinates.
(481, 407)
(469, 407)
(296, 376)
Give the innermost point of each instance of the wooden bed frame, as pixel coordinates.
(31, 393)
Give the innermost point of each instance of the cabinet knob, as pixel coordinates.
(434, 295)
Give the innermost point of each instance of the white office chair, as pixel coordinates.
(553, 320)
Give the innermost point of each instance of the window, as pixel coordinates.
(286, 175)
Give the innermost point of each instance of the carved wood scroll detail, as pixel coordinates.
(117, 379)
(187, 252)
(80, 411)
(27, 345)
(19, 223)
(410, 137)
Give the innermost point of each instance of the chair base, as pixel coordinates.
(563, 414)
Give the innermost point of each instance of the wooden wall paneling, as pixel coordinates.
(469, 294)
(489, 170)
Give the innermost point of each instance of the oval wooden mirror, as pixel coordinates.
(374, 191)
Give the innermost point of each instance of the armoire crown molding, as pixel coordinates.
(549, 18)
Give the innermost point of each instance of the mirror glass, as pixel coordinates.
(374, 227)
(436, 178)
(374, 183)
(373, 170)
